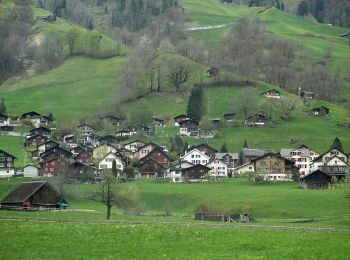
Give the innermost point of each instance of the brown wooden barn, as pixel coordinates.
(316, 180)
(33, 196)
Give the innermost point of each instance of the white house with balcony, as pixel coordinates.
(301, 157)
(196, 157)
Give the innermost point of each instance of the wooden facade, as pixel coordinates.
(316, 180)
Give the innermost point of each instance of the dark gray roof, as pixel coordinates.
(23, 192)
(255, 152)
(286, 152)
(221, 155)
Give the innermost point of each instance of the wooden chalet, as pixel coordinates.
(320, 111)
(84, 157)
(158, 122)
(29, 115)
(249, 154)
(157, 155)
(307, 95)
(180, 118)
(188, 172)
(272, 93)
(81, 171)
(150, 169)
(56, 152)
(189, 128)
(70, 140)
(40, 131)
(134, 145)
(6, 164)
(256, 120)
(110, 139)
(47, 146)
(316, 180)
(229, 117)
(33, 196)
(55, 166)
(35, 140)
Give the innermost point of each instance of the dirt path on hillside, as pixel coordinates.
(207, 27)
(189, 224)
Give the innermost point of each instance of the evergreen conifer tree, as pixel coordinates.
(223, 148)
(337, 144)
(3, 109)
(195, 106)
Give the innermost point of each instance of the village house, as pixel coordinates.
(56, 152)
(313, 154)
(195, 156)
(157, 155)
(5, 129)
(110, 139)
(327, 156)
(85, 133)
(31, 171)
(150, 169)
(40, 131)
(158, 122)
(212, 72)
(248, 154)
(308, 95)
(229, 117)
(84, 157)
(273, 167)
(219, 168)
(42, 148)
(126, 153)
(79, 148)
(188, 172)
(80, 171)
(301, 158)
(334, 163)
(7, 164)
(35, 140)
(256, 120)
(243, 169)
(144, 150)
(70, 140)
(102, 150)
(272, 93)
(206, 149)
(35, 154)
(4, 120)
(134, 146)
(34, 196)
(316, 180)
(107, 162)
(189, 128)
(320, 111)
(112, 120)
(55, 166)
(231, 160)
(181, 118)
(35, 118)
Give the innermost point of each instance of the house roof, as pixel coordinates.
(35, 136)
(271, 154)
(205, 145)
(320, 157)
(149, 160)
(336, 156)
(286, 152)
(307, 176)
(220, 156)
(320, 108)
(243, 165)
(31, 114)
(81, 125)
(255, 152)
(307, 92)
(3, 116)
(23, 192)
(188, 122)
(79, 164)
(180, 116)
(10, 155)
(41, 128)
(346, 34)
(271, 90)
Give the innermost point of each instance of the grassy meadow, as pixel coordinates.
(107, 241)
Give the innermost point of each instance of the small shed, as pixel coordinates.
(33, 196)
(272, 93)
(316, 180)
(307, 95)
(320, 111)
(229, 117)
(212, 72)
(30, 171)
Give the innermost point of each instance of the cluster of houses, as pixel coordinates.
(86, 157)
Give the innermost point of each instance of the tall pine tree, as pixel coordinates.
(3, 109)
(337, 144)
(195, 106)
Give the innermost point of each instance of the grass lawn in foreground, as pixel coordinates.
(31, 240)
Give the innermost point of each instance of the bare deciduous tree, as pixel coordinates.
(287, 105)
(245, 102)
(178, 74)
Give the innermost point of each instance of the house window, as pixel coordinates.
(192, 156)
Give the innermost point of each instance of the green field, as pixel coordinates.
(96, 241)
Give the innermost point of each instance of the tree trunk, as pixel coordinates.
(109, 210)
